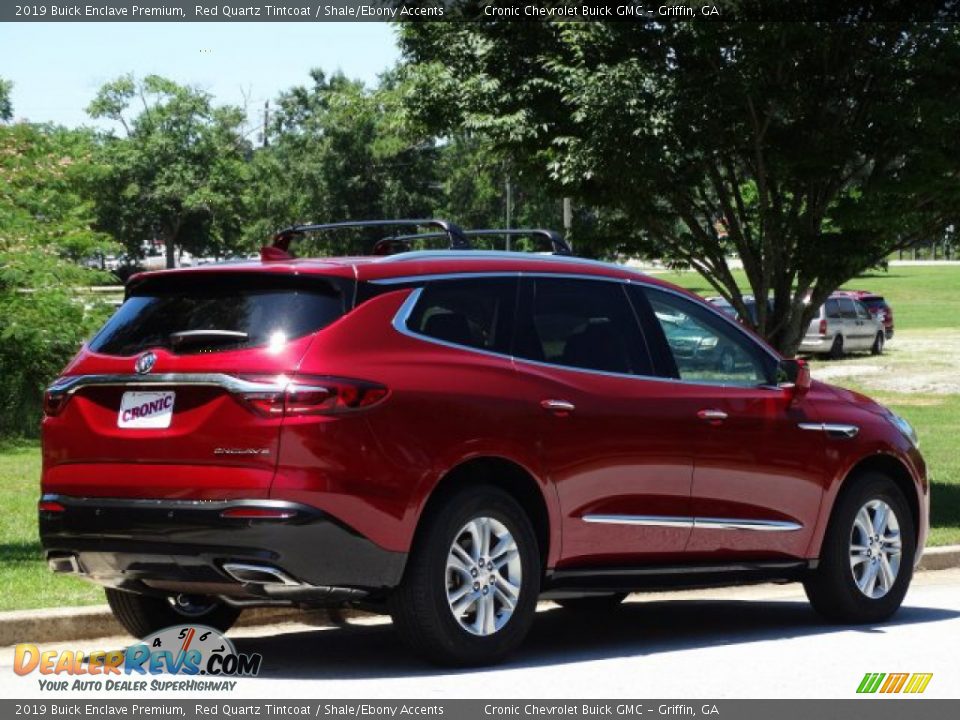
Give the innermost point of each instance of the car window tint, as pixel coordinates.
(847, 309)
(862, 312)
(707, 348)
(190, 314)
(833, 309)
(474, 313)
(586, 324)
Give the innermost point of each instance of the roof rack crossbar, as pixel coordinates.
(458, 239)
(557, 243)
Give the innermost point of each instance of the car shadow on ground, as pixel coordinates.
(560, 637)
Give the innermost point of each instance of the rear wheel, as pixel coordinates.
(592, 603)
(877, 347)
(143, 615)
(471, 585)
(836, 350)
(866, 562)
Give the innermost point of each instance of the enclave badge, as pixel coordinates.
(145, 363)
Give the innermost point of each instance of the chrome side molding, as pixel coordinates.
(667, 521)
(834, 429)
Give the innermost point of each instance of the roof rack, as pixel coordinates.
(279, 248)
(395, 243)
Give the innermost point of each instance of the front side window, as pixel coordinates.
(473, 313)
(707, 348)
(584, 324)
(862, 312)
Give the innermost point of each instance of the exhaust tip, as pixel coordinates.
(64, 564)
(258, 574)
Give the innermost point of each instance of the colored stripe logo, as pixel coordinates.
(888, 683)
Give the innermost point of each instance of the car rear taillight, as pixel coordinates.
(823, 326)
(314, 396)
(50, 506)
(54, 402)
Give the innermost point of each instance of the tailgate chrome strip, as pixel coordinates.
(71, 383)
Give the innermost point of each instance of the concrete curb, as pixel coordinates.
(80, 623)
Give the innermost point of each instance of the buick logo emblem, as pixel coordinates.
(145, 363)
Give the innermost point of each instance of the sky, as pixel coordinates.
(58, 67)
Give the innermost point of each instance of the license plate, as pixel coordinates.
(146, 409)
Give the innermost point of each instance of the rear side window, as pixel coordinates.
(586, 324)
(832, 309)
(193, 314)
(847, 309)
(473, 313)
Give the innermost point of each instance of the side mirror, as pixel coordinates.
(796, 378)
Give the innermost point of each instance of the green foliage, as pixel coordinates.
(45, 227)
(810, 150)
(6, 107)
(178, 174)
(340, 151)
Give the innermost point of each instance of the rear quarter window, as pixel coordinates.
(200, 314)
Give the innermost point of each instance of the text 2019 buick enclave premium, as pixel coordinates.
(451, 435)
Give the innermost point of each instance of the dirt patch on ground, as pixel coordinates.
(914, 362)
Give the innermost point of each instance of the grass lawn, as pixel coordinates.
(926, 301)
(921, 296)
(24, 577)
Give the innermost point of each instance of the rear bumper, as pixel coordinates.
(174, 546)
(816, 343)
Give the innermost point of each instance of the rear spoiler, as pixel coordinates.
(279, 248)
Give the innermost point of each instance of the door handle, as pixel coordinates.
(712, 416)
(558, 407)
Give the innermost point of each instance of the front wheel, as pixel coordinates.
(866, 562)
(472, 581)
(143, 615)
(877, 347)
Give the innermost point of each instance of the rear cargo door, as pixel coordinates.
(180, 394)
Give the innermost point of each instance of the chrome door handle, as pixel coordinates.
(711, 415)
(561, 407)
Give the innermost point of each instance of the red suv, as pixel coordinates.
(449, 436)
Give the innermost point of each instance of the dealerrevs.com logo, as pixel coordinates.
(889, 683)
(185, 650)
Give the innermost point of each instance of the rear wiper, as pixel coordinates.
(192, 337)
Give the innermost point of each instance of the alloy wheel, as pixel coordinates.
(484, 576)
(875, 548)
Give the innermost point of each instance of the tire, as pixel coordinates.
(836, 350)
(421, 610)
(143, 615)
(833, 587)
(592, 603)
(877, 347)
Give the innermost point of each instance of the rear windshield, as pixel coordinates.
(193, 314)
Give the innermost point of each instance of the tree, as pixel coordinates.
(178, 172)
(6, 107)
(45, 228)
(340, 151)
(811, 151)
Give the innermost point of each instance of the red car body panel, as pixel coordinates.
(634, 446)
